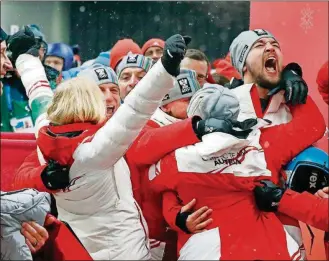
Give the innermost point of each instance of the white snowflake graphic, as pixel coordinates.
(306, 18)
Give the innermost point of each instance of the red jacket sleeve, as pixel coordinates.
(322, 81)
(29, 174)
(154, 143)
(307, 208)
(163, 179)
(283, 142)
(170, 208)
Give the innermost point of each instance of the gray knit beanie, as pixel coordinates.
(214, 101)
(242, 44)
(186, 85)
(134, 60)
(100, 74)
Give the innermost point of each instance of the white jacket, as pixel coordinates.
(99, 204)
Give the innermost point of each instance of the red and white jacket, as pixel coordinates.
(224, 181)
(162, 135)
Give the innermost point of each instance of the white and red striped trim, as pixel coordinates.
(37, 85)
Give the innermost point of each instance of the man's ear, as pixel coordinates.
(244, 69)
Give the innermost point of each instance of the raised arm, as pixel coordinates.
(283, 142)
(113, 139)
(37, 88)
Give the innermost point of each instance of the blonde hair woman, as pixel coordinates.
(76, 101)
(98, 203)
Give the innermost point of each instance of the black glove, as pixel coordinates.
(268, 196)
(181, 221)
(23, 42)
(292, 83)
(203, 127)
(55, 176)
(173, 53)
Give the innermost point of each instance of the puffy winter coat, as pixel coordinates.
(99, 203)
(17, 207)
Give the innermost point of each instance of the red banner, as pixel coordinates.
(301, 28)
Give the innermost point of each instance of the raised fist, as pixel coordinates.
(23, 42)
(174, 51)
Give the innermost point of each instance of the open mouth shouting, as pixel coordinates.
(271, 65)
(110, 109)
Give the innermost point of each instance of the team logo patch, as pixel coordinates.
(101, 74)
(245, 48)
(260, 32)
(184, 86)
(132, 58)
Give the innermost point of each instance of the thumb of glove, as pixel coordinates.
(187, 39)
(268, 184)
(244, 125)
(288, 92)
(240, 134)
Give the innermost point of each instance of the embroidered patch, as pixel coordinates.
(184, 86)
(101, 74)
(260, 32)
(245, 48)
(132, 58)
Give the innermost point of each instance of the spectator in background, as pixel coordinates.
(77, 58)
(59, 56)
(130, 71)
(225, 68)
(322, 81)
(121, 49)
(153, 49)
(197, 61)
(103, 58)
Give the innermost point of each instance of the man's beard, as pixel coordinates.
(261, 81)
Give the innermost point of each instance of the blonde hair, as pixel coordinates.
(77, 100)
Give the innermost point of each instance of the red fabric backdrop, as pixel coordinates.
(302, 30)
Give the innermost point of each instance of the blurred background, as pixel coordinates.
(96, 26)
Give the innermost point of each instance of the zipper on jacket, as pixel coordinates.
(115, 187)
